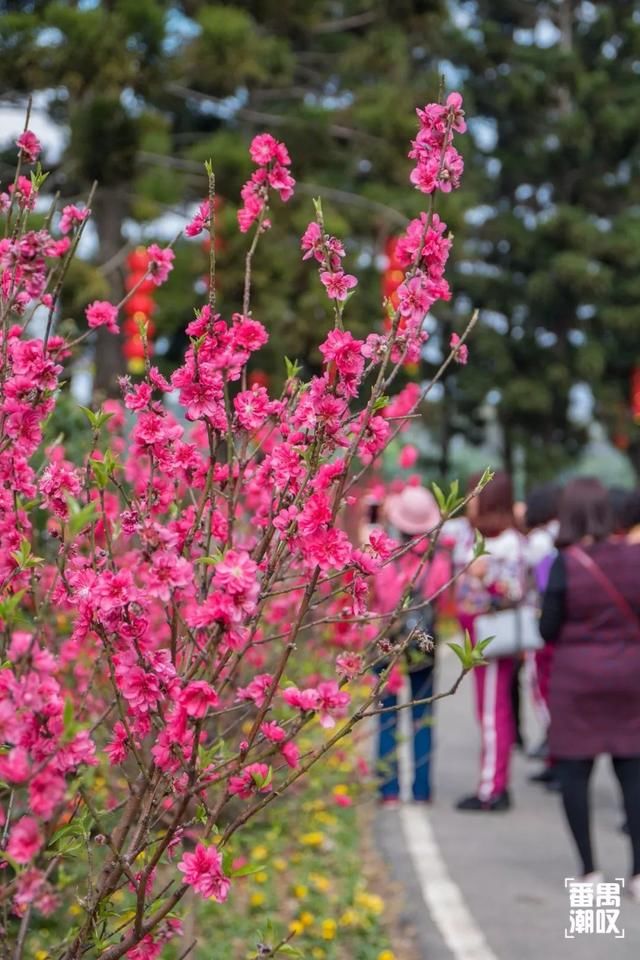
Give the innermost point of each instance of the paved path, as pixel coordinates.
(491, 887)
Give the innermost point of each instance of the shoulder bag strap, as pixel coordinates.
(598, 574)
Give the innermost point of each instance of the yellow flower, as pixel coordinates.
(280, 864)
(318, 953)
(259, 853)
(261, 877)
(117, 896)
(41, 955)
(328, 929)
(341, 790)
(306, 918)
(75, 910)
(295, 857)
(296, 927)
(257, 899)
(386, 955)
(322, 816)
(313, 839)
(320, 882)
(300, 891)
(349, 918)
(370, 901)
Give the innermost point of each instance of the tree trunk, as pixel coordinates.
(109, 210)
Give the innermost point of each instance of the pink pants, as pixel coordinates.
(497, 727)
(495, 717)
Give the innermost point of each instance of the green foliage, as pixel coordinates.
(559, 244)
(470, 656)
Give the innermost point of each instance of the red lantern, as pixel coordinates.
(139, 303)
(258, 378)
(133, 347)
(138, 260)
(131, 329)
(392, 277)
(133, 280)
(138, 310)
(393, 274)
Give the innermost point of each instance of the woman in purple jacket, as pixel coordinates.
(591, 614)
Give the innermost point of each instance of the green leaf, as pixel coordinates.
(67, 718)
(478, 653)
(440, 497)
(212, 560)
(486, 477)
(292, 368)
(12, 863)
(261, 781)
(479, 546)
(465, 651)
(288, 951)
(9, 607)
(381, 402)
(454, 499)
(81, 517)
(38, 177)
(460, 653)
(24, 558)
(198, 343)
(467, 643)
(483, 644)
(246, 871)
(89, 414)
(100, 472)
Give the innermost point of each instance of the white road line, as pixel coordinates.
(442, 896)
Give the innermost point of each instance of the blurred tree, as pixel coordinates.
(339, 83)
(553, 254)
(151, 88)
(99, 65)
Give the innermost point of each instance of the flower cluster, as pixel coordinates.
(181, 600)
(200, 220)
(329, 252)
(439, 166)
(272, 160)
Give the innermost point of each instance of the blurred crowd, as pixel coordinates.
(556, 585)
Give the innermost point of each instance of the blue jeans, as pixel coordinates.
(422, 715)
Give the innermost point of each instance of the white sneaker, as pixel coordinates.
(596, 877)
(633, 888)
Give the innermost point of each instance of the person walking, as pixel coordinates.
(591, 616)
(493, 583)
(541, 522)
(411, 514)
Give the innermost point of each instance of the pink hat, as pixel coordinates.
(413, 510)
